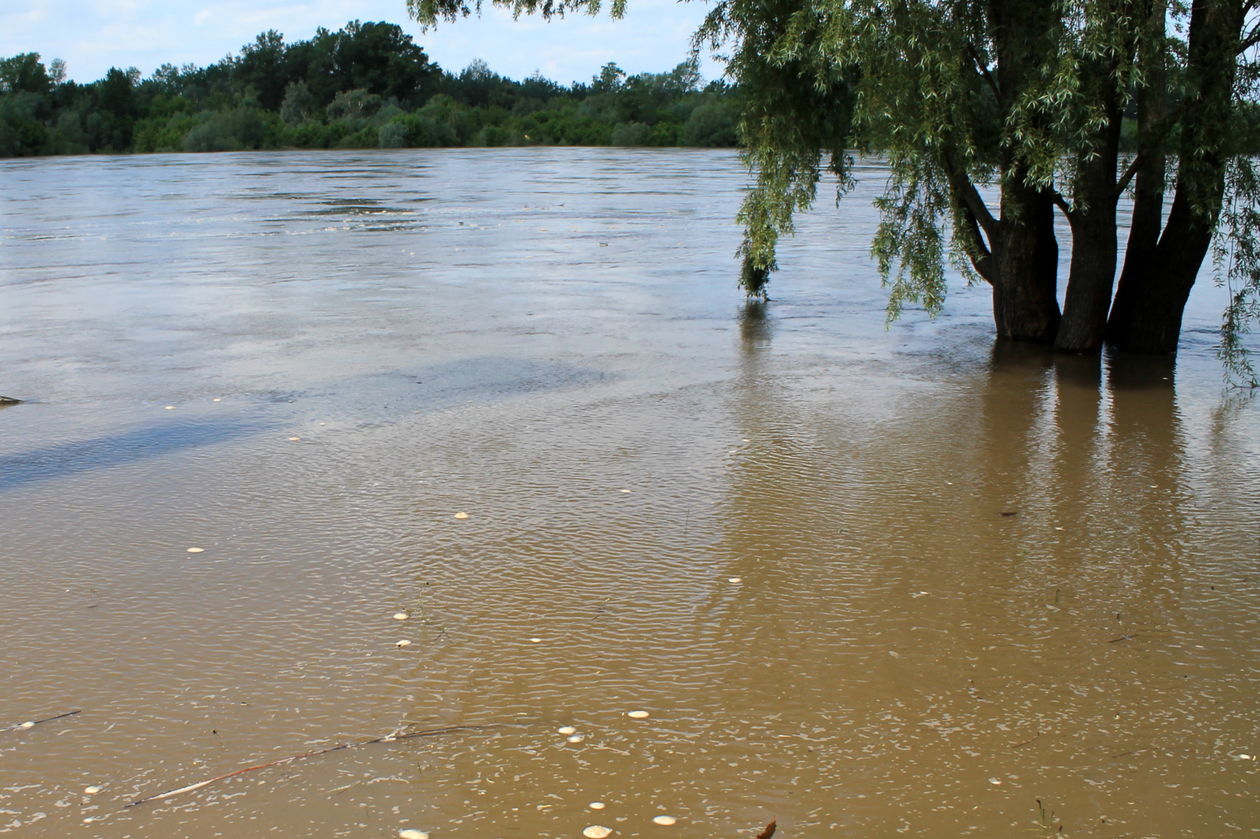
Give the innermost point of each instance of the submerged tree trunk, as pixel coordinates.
(1150, 171)
(1025, 251)
(1084, 323)
(1025, 261)
(1146, 316)
(1093, 219)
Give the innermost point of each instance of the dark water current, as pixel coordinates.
(869, 582)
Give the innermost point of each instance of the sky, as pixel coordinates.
(93, 35)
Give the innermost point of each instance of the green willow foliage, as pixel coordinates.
(1028, 99)
(366, 85)
(995, 117)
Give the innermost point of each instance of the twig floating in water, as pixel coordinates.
(1026, 742)
(769, 831)
(32, 723)
(388, 738)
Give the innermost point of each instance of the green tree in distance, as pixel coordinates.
(995, 115)
(367, 85)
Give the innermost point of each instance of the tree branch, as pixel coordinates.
(1250, 41)
(968, 196)
(1129, 172)
(981, 256)
(984, 71)
(978, 222)
(1061, 203)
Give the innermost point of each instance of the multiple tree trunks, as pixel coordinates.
(1157, 277)
(1162, 259)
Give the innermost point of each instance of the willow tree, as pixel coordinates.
(996, 115)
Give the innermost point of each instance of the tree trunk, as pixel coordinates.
(1025, 251)
(1150, 176)
(1026, 260)
(1093, 220)
(1093, 274)
(1148, 318)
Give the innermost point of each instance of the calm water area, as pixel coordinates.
(510, 407)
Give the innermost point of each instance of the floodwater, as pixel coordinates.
(867, 582)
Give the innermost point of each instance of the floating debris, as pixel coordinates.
(997, 782)
(403, 643)
(596, 805)
(169, 407)
(461, 515)
(294, 439)
(665, 820)
(412, 833)
(638, 715)
(23, 726)
(567, 730)
(535, 640)
(769, 831)
(196, 550)
(734, 579)
(597, 831)
(216, 399)
(401, 616)
(91, 790)
(627, 491)
(576, 738)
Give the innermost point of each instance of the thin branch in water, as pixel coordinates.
(388, 738)
(1026, 742)
(22, 726)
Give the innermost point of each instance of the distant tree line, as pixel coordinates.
(366, 85)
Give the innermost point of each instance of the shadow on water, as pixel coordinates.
(484, 379)
(1074, 464)
(755, 327)
(477, 380)
(72, 458)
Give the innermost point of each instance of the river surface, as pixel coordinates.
(867, 582)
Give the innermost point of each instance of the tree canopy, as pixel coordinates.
(996, 115)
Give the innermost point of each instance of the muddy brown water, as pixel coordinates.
(868, 582)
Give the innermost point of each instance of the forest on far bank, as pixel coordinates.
(367, 85)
